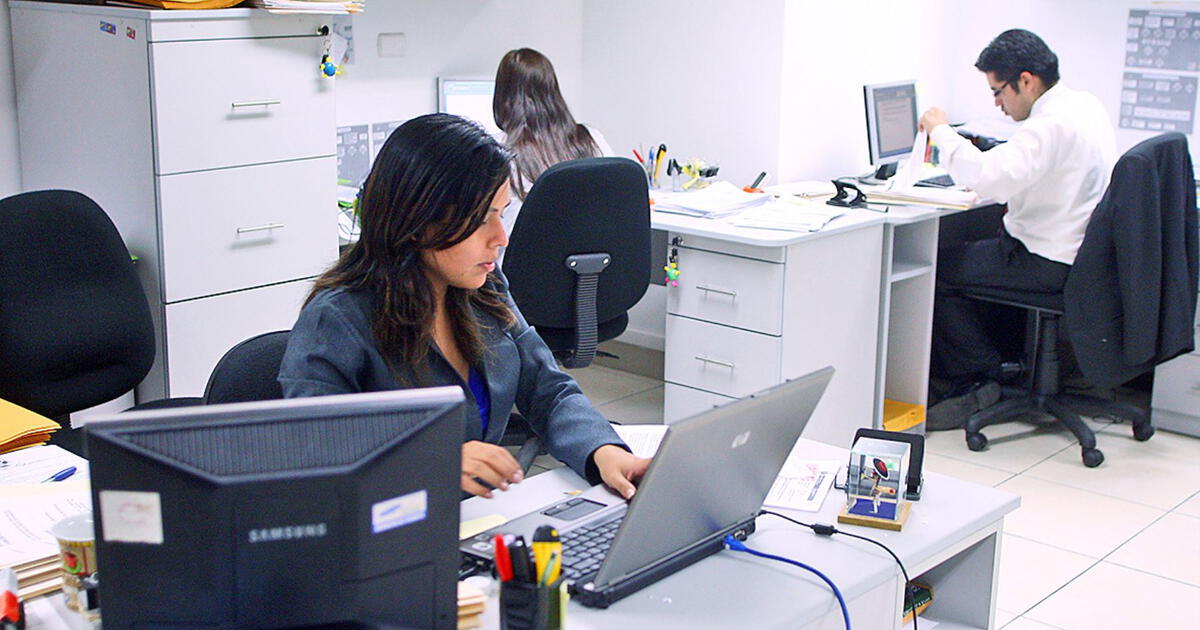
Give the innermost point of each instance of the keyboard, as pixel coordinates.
(584, 548)
(941, 181)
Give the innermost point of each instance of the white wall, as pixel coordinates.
(10, 171)
(463, 39)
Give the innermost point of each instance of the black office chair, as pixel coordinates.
(579, 253)
(1149, 209)
(249, 371)
(75, 327)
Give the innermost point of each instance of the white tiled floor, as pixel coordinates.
(1111, 547)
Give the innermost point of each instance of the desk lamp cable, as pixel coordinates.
(822, 529)
(737, 545)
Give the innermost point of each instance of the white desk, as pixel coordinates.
(857, 295)
(952, 541)
(755, 307)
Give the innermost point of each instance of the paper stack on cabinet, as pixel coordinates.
(309, 6)
(20, 427)
(719, 200)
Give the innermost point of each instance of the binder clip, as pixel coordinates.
(840, 199)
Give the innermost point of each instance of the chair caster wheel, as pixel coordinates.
(1143, 432)
(1092, 457)
(976, 441)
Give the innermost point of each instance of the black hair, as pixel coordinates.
(429, 189)
(1015, 51)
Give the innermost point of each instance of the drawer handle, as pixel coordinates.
(715, 362)
(262, 103)
(721, 291)
(260, 228)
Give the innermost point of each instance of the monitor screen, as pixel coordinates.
(336, 511)
(469, 98)
(891, 120)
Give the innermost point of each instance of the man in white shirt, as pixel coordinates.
(1051, 173)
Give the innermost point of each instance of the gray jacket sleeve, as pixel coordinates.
(325, 353)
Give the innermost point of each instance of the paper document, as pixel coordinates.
(911, 171)
(802, 485)
(719, 200)
(791, 214)
(29, 512)
(806, 189)
(37, 463)
(642, 439)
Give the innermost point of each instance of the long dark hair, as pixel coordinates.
(430, 188)
(530, 110)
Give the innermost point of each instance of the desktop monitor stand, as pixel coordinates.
(881, 174)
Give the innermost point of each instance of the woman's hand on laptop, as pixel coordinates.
(619, 468)
(486, 467)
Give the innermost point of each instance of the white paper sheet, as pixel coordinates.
(642, 439)
(37, 463)
(912, 170)
(29, 512)
(802, 485)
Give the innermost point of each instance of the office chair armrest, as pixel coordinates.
(587, 268)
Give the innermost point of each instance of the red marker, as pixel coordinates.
(502, 559)
(638, 156)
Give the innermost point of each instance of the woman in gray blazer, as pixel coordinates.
(419, 301)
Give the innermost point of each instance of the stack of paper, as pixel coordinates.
(328, 7)
(792, 214)
(719, 200)
(471, 602)
(20, 427)
(921, 196)
(28, 509)
(183, 4)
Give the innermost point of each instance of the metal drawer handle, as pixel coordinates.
(721, 291)
(260, 228)
(714, 362)
(262, 103)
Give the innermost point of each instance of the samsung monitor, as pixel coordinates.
(891, 124)
(335, 511)
(469, 98)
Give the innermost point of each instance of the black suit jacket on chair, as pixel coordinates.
(1131, 294)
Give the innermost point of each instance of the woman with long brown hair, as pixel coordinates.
(536, 123)
(418, 301)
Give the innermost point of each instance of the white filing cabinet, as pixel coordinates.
(209, 138)
(745, 317)
(1175, 404)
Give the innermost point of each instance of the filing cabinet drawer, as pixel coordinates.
(681, 402)
(211, 110)
(720, 359)
(729, 290)
(199, 332)
(243, 227)
(1177, 385)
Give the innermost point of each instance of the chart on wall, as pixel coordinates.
(1162, 65)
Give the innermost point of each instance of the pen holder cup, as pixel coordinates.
(525, 606)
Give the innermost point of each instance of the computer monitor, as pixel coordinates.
(891, 124)
(335, 511)
(469, 98)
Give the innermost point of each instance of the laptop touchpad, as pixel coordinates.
(573, 509)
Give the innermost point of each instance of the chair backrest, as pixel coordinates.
(248, 371)
(1130, 297)
(580, 207)
(75, 326)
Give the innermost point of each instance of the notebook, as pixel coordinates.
(708, 479)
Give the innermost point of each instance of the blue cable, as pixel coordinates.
(736, 545)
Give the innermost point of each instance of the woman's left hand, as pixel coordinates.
(619, 468)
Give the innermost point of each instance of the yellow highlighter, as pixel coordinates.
(660, 157)
(547, 553)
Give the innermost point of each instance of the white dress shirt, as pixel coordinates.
(1052, 172)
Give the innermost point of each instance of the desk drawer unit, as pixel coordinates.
(238, 228)
(209, 139)
(719, 359)
(273, 106)
(730, 290)
(683, 402)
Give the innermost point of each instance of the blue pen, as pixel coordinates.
(60, 475)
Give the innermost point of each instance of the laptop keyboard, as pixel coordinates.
(584, 548)
(941, 181)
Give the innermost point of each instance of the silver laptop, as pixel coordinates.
(708, 479)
